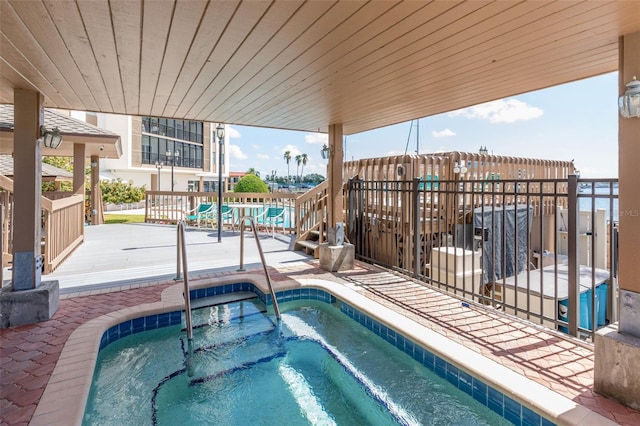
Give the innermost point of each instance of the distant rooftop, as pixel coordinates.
(49, 172)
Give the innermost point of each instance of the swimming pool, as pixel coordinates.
(317, 366)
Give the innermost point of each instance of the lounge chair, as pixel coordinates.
(200, 215)
(271, 216)
(228, 216)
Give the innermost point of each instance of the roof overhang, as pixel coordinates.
(302, 65)
(97, 141)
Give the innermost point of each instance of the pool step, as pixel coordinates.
(210, 363)
(221, 299)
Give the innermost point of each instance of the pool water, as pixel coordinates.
(317, 366)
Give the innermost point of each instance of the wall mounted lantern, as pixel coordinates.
(51, 138)
(629, 103)
(324, 152)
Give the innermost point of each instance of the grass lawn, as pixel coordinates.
(123, 218)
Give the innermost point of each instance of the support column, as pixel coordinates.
(334, 175)
(617, 346)
(78, 168)
(27, 300)
(154, 182)
(27, 176)
(96, 209)
(335, 256)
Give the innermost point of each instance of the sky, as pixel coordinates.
(575, 121)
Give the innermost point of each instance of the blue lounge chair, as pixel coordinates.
(271, 216)
(201, 215)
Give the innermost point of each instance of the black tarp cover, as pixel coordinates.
(504, 253)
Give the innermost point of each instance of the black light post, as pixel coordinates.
(220, 135)
(159, 165)
(172, 156)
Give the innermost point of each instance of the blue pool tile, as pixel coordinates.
(495, 400)
(409, 347)
(164, 319)
(391, 336)
(201, 292)
(113, 333)
(151, 322)
(104, 341)
(512, 410)
(530, 417)
(452, 374)
(304, 293)
(546, 422)
(123, 326)
(313, 293)
(176, 318)
(441, 367)
(480, 390)
(138, 324)
(377, 328)
(400, 341)
(418, 353)
(124, 329)
(429, 360)
(465, 382)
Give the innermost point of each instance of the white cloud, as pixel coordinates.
(442, 133)
(317, 138)
(500, 111)
(236, 153)
(293, 150)
(233, 133)
(262, 156)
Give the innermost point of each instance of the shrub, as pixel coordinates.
(120, 192)
(251, 183)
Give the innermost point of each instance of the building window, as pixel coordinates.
(161, 135)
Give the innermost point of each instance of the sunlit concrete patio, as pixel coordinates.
(133, 271)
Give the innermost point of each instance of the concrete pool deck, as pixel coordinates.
(125, 266)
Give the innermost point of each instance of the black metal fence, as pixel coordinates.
(541, 249)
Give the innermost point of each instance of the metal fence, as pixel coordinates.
(541, 249)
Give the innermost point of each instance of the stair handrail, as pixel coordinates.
(182, 255)
(251, 220)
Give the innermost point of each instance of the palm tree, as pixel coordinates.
(305, 158)
(287, 158)
(253, 171)
(298, 161)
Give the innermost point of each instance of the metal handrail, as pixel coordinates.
(182, 255)
(264, 263)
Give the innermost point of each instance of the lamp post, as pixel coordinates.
(172, 156)
(159, 165)
(220, 136)
(483, 150)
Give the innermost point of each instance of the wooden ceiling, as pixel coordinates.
(301, 65)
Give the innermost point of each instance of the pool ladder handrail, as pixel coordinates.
(182, 255)
(252, 222)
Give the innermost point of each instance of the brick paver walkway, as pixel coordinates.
(28, 354)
